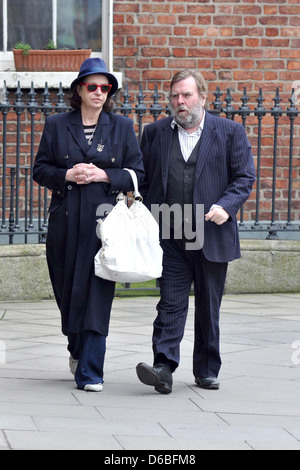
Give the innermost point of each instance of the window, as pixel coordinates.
(29, 22)
(79, 24)
(69, 23)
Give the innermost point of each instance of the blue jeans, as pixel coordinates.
(89, 348)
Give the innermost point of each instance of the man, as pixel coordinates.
(194, 158)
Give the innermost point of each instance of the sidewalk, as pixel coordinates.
(257, 406)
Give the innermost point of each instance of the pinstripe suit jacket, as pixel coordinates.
(224, 175)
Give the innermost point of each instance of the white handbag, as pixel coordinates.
(131, 250)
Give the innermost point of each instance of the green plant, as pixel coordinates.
(23, 46)
(50, 45)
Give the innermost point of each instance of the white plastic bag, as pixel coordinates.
(131, 250)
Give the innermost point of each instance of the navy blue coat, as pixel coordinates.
(84, 299)
(224, 175)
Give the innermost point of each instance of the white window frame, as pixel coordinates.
(7, 67)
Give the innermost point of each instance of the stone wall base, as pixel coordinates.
(265, 267)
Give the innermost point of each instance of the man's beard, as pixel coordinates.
(192, 119)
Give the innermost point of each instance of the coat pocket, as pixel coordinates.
(55, 204)
(54, 208)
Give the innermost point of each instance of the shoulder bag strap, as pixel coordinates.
(135, 182)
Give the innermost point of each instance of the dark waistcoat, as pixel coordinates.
(180, 187)
(181, 174)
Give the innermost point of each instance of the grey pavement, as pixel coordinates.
(257, 406)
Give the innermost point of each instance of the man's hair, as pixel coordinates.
(200, 81)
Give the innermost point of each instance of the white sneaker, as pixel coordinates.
(93, 387)
(73, 363)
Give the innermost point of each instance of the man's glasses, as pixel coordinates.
(91, 87)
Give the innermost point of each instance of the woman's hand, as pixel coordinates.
(85, 173)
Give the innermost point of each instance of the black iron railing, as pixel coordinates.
(273, 212)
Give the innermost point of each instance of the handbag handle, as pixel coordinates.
(135, 183)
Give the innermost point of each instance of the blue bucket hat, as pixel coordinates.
(94, 66)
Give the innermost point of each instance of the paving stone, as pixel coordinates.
(31, 440)
(257, 406)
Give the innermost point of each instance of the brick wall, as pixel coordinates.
(236, 44)
(253, 43)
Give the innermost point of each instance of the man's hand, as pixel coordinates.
(218, 215)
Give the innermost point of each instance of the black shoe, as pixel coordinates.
(210, 383)
(159, 376)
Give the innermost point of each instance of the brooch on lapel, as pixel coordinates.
(100, 147)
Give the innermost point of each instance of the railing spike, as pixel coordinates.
(60, 105)
(229, 110)
(126, 107)
(217, 104)
(36, 100)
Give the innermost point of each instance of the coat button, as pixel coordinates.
(65, 157)
(69, 187)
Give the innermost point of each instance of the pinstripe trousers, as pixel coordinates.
(180, 269)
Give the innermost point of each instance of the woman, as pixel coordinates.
(80, 159)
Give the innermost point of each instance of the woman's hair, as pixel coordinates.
(75, 101)
(200, 81)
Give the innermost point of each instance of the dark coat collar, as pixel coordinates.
(101, 134)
